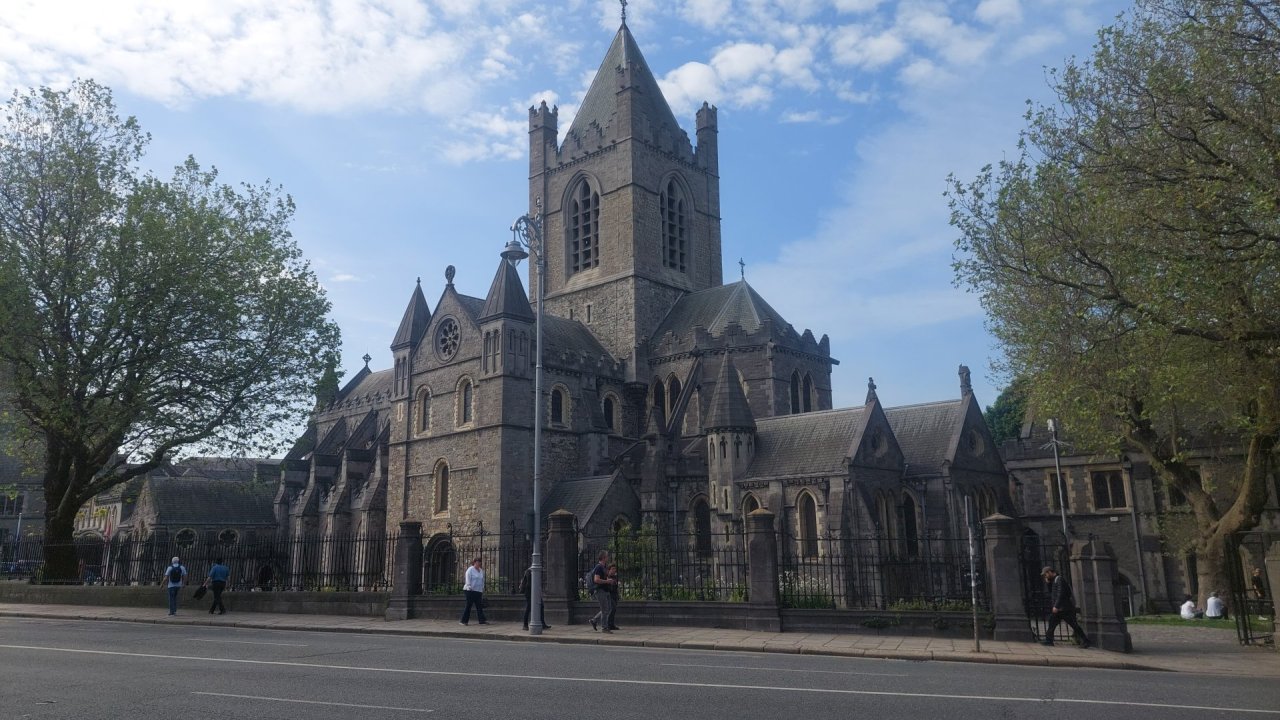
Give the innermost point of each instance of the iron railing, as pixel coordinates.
(446, 557)
(669, 566)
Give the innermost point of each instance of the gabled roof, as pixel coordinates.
(926, 433)
(600, 105)
(580, 497)
(472, 306)
(729, 408)
(367, 384)
(812, 443)
(200, 501)
(715, 308)
(506, 296)
(417, 316)
(564, 335)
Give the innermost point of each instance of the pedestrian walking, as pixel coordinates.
(1063, 608)
(526, 589)
(217, 582)
(614, 590)
(1259, 587)
(175, 576)
(600, 583)
(473, 589)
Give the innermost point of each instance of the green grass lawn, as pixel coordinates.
(1255, 624)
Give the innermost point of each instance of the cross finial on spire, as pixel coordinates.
(742, 269)
(367, 357)
(624, 11)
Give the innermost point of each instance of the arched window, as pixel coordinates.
(806, 394)
(441, 565)
(442, 486)
(910, 529)
(424, 410)
(557, 406)
(737, 448)
(659, 396)
(702, 526)
(609, 420)
(465, 397)
(724, 450)
(750, 505)
(795, 393)
(671, 206)
(584, 227)
(673, 393)
(807, 510)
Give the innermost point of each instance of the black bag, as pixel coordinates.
(200, 591)
(175, 574)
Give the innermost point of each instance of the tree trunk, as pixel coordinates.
(1211, 567)
(60, 563)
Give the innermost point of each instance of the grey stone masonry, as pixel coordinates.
(408, 571)
(762, 571)
(1093, 566)
(1004, 579)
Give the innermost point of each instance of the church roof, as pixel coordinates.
(925, 433)
(580, 497)
(414, 323)
(507, 297)
(812, 443)
(367, 384)
(200, 501)
(715, 308)
(600, 105)
(729, 408)
(564, 335)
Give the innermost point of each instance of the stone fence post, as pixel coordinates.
(1272, 561)
(560, 568)
(762, 572)
(1093, 569)
(406, 572)
(1004, 578)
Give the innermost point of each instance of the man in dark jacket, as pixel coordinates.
(1063, 608)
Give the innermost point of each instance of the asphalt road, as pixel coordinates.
(101, 670)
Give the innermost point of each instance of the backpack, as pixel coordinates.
(590, 581)
(175, 574)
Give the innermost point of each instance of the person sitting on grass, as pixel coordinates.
(1214, 608)
(1189, 609)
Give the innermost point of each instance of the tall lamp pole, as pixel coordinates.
(1062, 485)
(527, 237)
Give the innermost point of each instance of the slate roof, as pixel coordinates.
(812, 443)
(507, 297)
(220, 468)
(580, 497)
(368, 385)
(473, 306)
(417, 316)
(729, 408)
(715, 308)
(200, 501)
(600, 104)
(562, 334)
(925, 433)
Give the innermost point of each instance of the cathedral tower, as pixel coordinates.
(631, 210)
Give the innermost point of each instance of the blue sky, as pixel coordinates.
(400, 129)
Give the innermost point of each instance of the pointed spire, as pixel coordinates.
(506, 296)
(414, 323)
(729, 408)
(966, 387)
(623, 68)
(871, 391)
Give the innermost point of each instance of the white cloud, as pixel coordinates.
(706, 13)
(1035, 43)
(857, 46)
(857, 6)
(344, 277)
(999, 12)
(810, 116)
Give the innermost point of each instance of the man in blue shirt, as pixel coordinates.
(175, 576)
(217, 580)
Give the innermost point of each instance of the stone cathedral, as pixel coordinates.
(670, 398)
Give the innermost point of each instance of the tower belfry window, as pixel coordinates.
(584, 227)
(671, 206)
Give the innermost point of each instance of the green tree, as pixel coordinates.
(1006, 416)
(140, 316)
(1129, 259)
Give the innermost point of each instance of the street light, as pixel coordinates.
(526, 237)
(1062, 485)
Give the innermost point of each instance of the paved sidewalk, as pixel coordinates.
(1157, 647)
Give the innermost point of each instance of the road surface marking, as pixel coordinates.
(312, 702)
(245, 642)
(622, 681)
(771, 669)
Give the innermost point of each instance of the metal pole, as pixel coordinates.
(528, 230)
(1137, 540)
(973, 576)
(1062, 485)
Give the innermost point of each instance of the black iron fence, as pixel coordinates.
(666, 566)
(1247, 597)
(446, 557)
(1035, 554)
(879, 573)
(306, 562)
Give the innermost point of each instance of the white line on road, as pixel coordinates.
(665, 683)
(773, 669)
(245, 642)
(312, 702)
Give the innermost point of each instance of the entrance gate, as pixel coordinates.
(1036, 555)
(1254, 614)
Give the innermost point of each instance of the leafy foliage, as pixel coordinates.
(1006, 416)
(140, 316)
(1129, 258)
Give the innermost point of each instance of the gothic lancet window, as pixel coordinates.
(807, 509)
(671, 205)
(465, 399)
(557, 406)
(702, 526)
(806, 394)
(442, 487)
(609, 420)
(910, 531)
(583, 225)
(424, 410)
(795, 393)
(673, 393)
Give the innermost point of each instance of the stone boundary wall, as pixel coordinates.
(364, 604)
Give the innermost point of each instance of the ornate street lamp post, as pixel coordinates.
(527, 238)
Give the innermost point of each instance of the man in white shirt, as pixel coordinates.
(473, 588)
(1189, 610)
(1214, 607)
